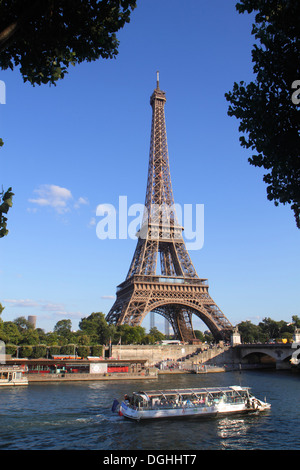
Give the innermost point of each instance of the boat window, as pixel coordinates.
(179, 398)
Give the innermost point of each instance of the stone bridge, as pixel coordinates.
(277, 353)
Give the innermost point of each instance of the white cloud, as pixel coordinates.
(107, 296)
(53, 307)
(45, 306)
(21, 302)
(53, 196)
(58, 198)
(81, 201)
(92, 222)
(59, 310)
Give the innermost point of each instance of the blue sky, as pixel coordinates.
(86, 141)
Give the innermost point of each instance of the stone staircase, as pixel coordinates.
(207, 356)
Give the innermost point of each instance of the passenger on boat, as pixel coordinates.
(127, 399)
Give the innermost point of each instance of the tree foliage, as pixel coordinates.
(63, 328)
(44, 37)
(23, 324)
(267, 330)
(269, 117)
(157, 335)
(96, 327)
(6, 204)
(94, 332)
(9, 333)
(130, 335)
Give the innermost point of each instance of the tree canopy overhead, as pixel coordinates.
(267, 109)
(44, 37)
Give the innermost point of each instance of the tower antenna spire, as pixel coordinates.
(157, 79)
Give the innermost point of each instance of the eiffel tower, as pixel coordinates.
(176, 292)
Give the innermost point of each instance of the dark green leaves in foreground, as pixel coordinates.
(44, 37)
(5, 205)
(268, 108)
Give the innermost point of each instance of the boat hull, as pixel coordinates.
(13, 383)
(193, 412)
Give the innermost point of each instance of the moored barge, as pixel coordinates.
(12, 375)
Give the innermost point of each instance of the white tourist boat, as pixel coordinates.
(12, 375)
(195, 402)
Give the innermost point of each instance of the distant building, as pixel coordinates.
(32, 320)
(296, 336)
(235, 337)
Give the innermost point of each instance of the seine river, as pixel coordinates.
(77, 416)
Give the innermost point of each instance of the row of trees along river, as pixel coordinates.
(20, 336)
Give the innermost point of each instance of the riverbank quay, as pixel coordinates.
(233, 357)
(151, 373)
(148, 361)
(196, 369)
(87, 377)
(157, 354)
(74, 369)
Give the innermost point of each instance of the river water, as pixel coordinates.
(77, 416)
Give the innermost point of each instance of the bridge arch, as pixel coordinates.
(278, 355)
(258, 357)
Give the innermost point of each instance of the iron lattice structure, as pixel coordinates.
(176, 292)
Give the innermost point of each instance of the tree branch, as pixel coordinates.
(7, 33)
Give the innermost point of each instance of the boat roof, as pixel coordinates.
(190, 391)
(10, 367)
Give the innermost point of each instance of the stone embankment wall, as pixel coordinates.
(88, 377)
(157, 353)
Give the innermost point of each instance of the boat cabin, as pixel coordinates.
(186, 398)
(12, 375)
